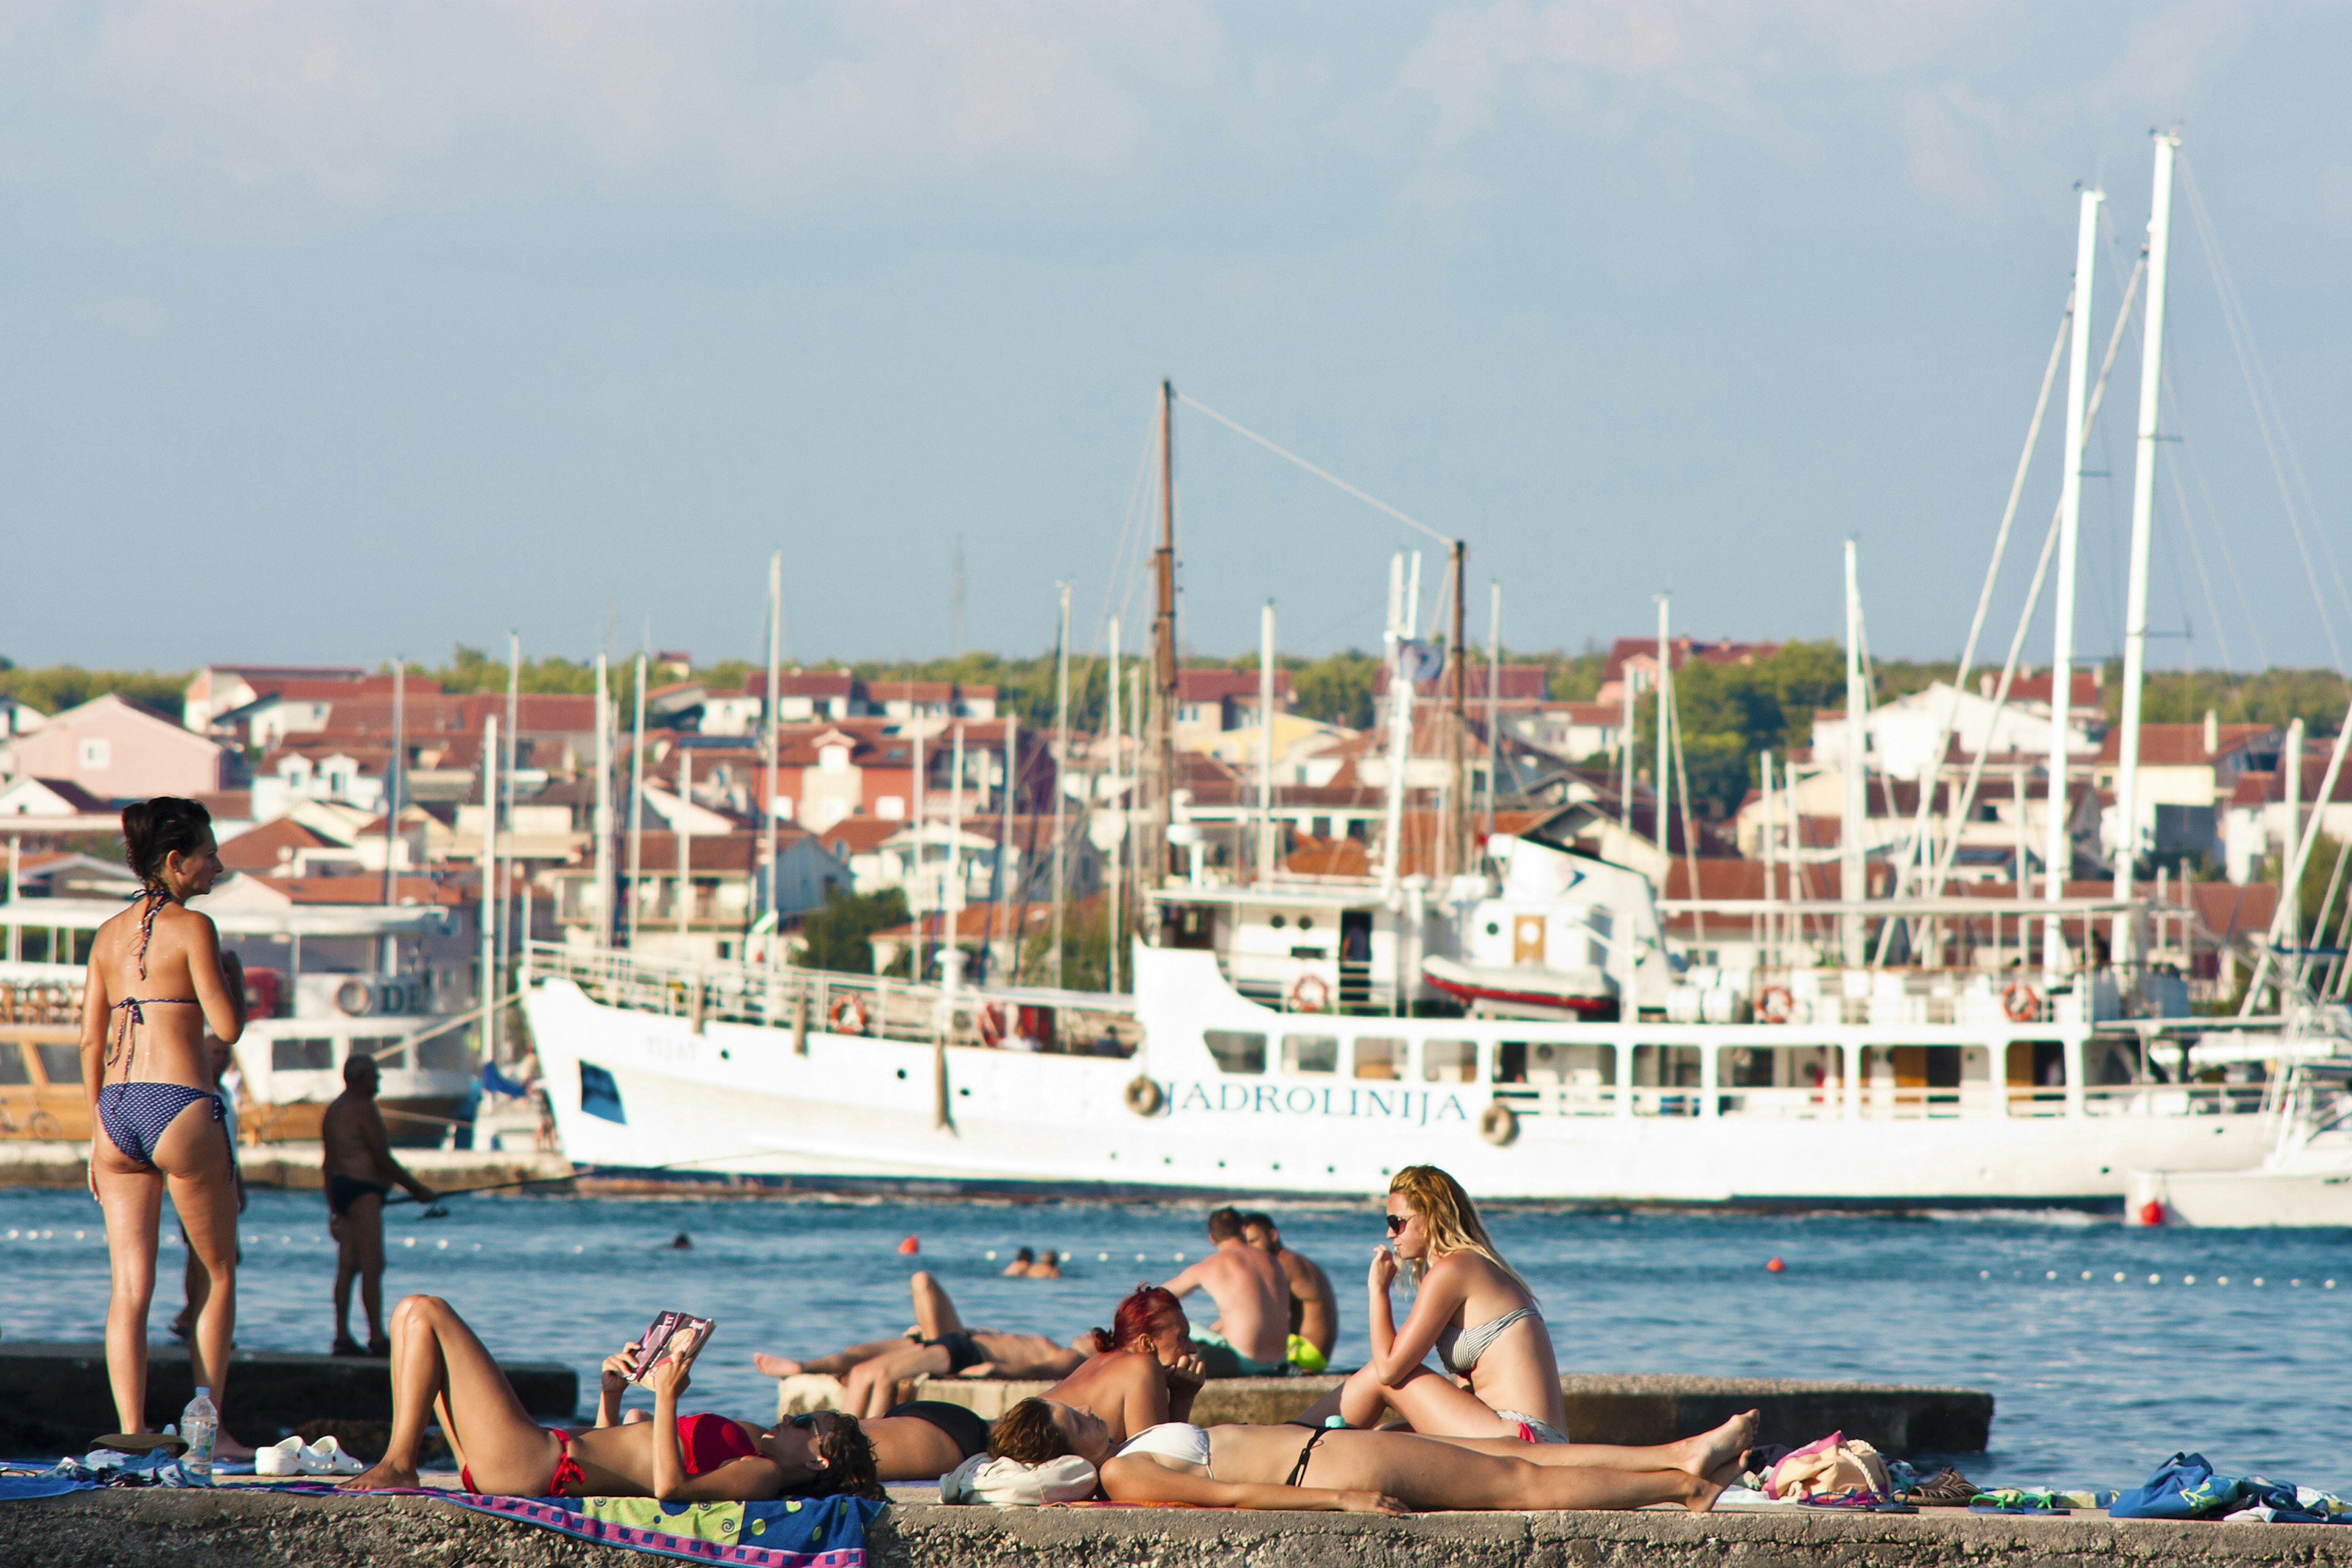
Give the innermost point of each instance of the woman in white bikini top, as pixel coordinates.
(1470, 1307)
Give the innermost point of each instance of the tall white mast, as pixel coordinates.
(489, 907)
(2057, 853)
(1265, 743)
(637, 799)
(1854, 870)
(1663, 793)
(507, 933)
(951, 962)
(1625, 751)
(603, 818)
(1494, 700)
(1117, 890)
(1402, 607)
(1061, 762)
(2151, 382)
(775, 713)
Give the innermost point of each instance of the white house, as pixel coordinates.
(1901, 733)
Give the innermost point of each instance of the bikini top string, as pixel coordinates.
(153, 899)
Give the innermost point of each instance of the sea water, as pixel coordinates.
(2227, 1342)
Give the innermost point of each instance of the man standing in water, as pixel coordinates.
(1251, 1334)
(360, 1170)
(1314, 1313)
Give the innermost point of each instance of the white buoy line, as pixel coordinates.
(2157, 1279)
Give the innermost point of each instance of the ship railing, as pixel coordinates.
(2171, 1100)
(1559, 1099)
(806, 1000)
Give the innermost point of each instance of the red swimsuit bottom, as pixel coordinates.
(705, 1442)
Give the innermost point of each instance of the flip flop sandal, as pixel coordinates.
(141, 1442)
(1946, 1488)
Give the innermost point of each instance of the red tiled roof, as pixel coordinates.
(2176, 745)
(269, 846)
(1213, 683)
(1515, 683)
(367, 888)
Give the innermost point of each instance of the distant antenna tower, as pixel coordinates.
(955, 598)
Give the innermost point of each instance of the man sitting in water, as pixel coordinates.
(1250, 1337)
(939, 1345)
(1314, 1312)
(360, 1170)
(1022, 1262)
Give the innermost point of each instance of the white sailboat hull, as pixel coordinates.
(735, 1100)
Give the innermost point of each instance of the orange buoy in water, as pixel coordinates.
(2151, 1212)
(1775, 1266)
(911, 1246)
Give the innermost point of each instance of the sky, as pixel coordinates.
(331, 332)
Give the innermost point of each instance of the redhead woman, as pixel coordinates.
(157, 980)
(440, 1365)
(1336, 1470)
(1144, 1370)
(1470, 1307)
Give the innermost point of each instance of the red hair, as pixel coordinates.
(1145, 1312)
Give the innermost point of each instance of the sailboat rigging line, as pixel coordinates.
(2268, 675)
(1324, 474)
(2266, 418)
(2196, 553)
(1905, 862)
(2059, 687)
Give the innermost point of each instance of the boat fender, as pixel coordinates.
(1143, 1096)
(2151, 1212)
(355, 997)
(1308, 994)
(2021, 1002)
(848, 1015)
(1774, 1004)
(1498, 1124)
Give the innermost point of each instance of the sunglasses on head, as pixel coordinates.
(1397, 1222)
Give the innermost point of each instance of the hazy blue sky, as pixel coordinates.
(328, 331)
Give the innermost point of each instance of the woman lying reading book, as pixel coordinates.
(439, 1364)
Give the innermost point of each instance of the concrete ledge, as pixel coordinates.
(232, 1526)
(1634, 1408)
(54, 1397)
(29, 1163)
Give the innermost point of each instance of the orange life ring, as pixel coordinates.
(1308, 994)
(2021, 1002)
(848, 1015)
(1775, 1004)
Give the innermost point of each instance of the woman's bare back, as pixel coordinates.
(152, 1024)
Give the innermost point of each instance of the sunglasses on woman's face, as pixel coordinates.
(1397, 1222)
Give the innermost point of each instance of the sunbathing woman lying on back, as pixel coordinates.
(438, 1364)
(1369, 1472)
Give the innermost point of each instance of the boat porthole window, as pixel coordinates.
(1307, 922)
(965, 1093)
(725, 1054)
(1277, 922)
(902, 1072)
(1493, 929)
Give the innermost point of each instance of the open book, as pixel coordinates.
(670, 1334)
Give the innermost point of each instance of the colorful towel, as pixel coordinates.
(795, 1532)
(2185, 1486)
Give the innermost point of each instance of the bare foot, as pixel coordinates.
(1702, 1499)
(227, 1447)
(380, 1475)
(1709, 1452)
(775, 1365)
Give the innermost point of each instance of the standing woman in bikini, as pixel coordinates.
(157, 980)
(1469, 1306)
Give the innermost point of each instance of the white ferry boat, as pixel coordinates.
(1227, 1073)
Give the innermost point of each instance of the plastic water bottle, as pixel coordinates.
(198, 1422)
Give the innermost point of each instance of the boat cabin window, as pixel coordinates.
(1510, 1061)
(2037, 1064)
(1236, 1051)
(1378, 1059)
(12, 1064)
(1666, 1067)
(1310, 1053)
(389, 1050)
(289, 1055)
(1449, 1061)
(60, 1063)
(1582, 1067)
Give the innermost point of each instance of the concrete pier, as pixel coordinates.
(1631, 1408)
(235, 1526)
(54, 1397)
(30, 1162)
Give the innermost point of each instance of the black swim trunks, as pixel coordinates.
(342, 1190)
(961, 1351)
(963, 1427)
